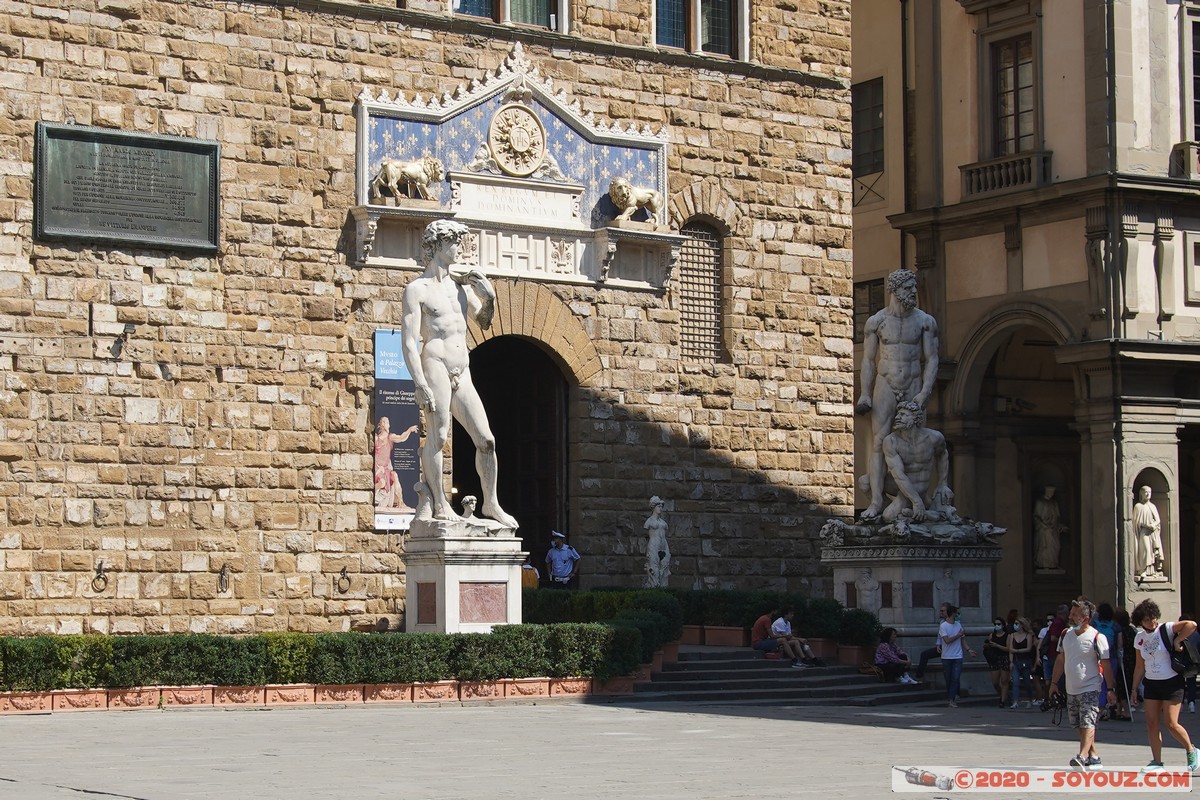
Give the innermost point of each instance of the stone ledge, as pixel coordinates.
(306, 694)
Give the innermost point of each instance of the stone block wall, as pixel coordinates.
(230, 432)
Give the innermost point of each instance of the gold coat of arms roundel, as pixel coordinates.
(517, 140)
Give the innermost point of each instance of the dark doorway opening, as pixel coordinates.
(1024, 445)
(525, 395)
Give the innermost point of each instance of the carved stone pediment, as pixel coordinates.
(528, 171)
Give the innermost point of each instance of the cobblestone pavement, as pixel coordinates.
(547, 750)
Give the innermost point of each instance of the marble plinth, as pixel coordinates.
(463, 576)
(921, 578)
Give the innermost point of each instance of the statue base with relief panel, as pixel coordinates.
(463, 576)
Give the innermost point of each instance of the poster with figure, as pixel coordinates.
(396, 438)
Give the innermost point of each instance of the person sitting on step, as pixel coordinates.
(893, 662)
(761, 638)
(782, 626)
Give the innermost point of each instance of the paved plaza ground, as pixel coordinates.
(548, 750)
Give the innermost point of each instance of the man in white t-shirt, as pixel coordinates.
(1083, 657)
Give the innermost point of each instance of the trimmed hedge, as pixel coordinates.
(45, 663)
(655, 613)
(817, 617)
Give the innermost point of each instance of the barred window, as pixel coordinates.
(700, 292)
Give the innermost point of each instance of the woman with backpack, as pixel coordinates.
(1164, 686)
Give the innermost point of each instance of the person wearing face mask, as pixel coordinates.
(995, 652)
(1164, 686)
(1020, 649)
(1083, 659)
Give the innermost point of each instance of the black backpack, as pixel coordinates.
(1185, 662)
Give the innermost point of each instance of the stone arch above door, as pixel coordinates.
(532, 311)
(986, 338)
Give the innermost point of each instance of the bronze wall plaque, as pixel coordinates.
(106, 185)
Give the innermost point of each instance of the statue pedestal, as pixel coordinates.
(919, 584)
(462, 576)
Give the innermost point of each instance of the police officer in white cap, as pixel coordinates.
(562, 561)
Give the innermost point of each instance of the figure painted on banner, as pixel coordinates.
(1148, 529)
(1047, 531)
(900, 363)
(919, 463)
(388, 494)
(434, 329)
(658, 553)
(868, 591)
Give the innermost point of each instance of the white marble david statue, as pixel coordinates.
(434, 335)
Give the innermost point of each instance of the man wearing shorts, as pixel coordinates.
(762, 639)
(1083, 658)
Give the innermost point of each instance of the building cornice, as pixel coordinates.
(1090, 191)
(560, 41)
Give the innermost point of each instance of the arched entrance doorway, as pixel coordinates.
(1020, 459)
(525, 395)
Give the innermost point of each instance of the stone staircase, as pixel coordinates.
(744, 676)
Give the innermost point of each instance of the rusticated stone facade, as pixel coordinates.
(219, 466)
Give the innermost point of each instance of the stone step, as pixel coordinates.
(778, 697)
(727, 672)
(781, 683)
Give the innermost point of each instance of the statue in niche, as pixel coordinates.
(900, 364)
(658, 553)
(434, 336)
(1047, 531)
(868, 591)
(1147, 527)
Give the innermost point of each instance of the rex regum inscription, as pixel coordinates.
(100, 184)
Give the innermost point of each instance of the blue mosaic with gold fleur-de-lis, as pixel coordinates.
(457, 140)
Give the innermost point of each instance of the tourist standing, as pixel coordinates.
(1021, 648)
(1082, 659)
(995, 652)
(1164, 686)
(952, 638)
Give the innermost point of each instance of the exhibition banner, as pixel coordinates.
(397, 440)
